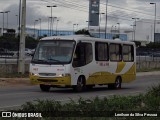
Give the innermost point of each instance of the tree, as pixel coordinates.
(11, 31)
(138, 43)
(82, 32)
(115, 36)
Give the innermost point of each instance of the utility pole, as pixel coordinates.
(3, 23)
(21, 66)
(106, 20)
(154, 21)
(40, 27)
(135, 28)
(7, 18)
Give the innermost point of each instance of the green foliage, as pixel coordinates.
(31, 42)
(83, 31)
(11, 31)
(153, 45)
(115, 36)
(12, 42)
(138, 43)
(13, 75)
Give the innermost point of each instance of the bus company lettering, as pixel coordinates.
(103, 63)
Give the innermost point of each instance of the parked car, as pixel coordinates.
(156, 55)
(5, 53)
(32, 52)
(28, 51)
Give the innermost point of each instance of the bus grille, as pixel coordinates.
(47, 80)
(47, 74)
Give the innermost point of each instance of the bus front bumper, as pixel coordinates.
(55, 81)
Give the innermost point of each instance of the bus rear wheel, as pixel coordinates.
(80, 84)
(116, 85)
(45, 88)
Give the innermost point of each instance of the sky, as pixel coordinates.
(70, 12)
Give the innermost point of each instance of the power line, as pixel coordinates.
(75, 6)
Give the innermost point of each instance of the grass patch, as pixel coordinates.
(14, 75)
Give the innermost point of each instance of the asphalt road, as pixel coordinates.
(11, 97)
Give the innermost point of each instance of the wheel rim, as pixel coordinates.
(118, 83)
(80, 84)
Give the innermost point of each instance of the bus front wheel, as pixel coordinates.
(80, 84)
(45, 88)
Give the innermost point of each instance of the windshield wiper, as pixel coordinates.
(37, 60)
(54, 60)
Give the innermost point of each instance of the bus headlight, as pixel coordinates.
(64, 75)
(60, 75)
(33, 74)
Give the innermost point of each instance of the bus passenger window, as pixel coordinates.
(101, 51)
(115, 52)
(128, 53)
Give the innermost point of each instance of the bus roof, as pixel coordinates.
(85, 38)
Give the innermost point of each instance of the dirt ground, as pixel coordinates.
(14, 82)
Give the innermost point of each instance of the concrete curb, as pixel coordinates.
(148, 73)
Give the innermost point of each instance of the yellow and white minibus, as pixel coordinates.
(80, 61)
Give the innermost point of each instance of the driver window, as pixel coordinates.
(83, 54)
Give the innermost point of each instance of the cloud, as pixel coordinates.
(76, 11)
(32, 13)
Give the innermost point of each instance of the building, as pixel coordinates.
(144, 31)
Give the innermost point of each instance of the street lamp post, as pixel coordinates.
(106, 20)
(112, 32)
(73, 27)
(7, 18)
(57, 27)
(154, 20)
(51, 18)
(40, 26)
(100, 23)
(3, 23)
(88, 24)
(53, 24)
(133, 32)
(17, 23)
(135, 27)
(77, 26)
(35, 28)
(118, 27)
(48, 27)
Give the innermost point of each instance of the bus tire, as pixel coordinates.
(118, 83)
(80, 84)
(45, 88)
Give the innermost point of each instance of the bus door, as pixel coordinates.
(82, 57)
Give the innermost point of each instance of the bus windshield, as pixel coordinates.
(54, 52)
